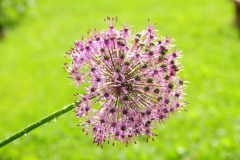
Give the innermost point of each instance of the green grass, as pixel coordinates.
(33, 83)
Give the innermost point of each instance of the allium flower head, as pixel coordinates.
(130, 80)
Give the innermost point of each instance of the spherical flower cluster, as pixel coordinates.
(130, 80)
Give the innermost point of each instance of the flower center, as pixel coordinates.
(120, 86)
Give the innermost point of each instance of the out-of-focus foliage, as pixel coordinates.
(11, 11)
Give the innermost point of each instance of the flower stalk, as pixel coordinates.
(38, 123)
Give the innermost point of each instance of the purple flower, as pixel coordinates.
(130, 80)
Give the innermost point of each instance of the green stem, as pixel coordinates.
(38, 123)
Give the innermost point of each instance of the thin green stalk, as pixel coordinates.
(38, 123)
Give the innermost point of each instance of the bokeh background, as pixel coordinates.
(33, 83)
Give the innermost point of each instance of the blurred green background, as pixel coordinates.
(33, 83)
